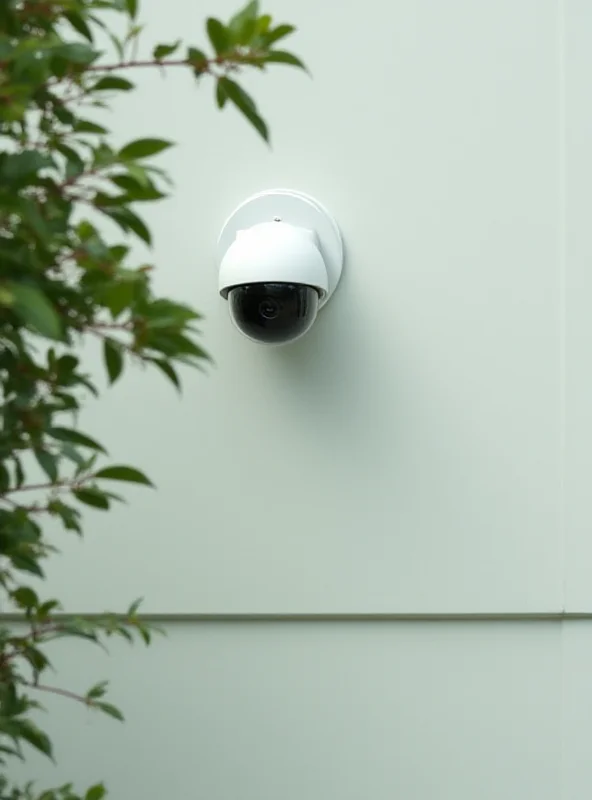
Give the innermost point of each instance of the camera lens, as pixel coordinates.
(273, 313)
(269, 308)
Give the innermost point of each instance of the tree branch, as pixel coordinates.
(59, 485)
(176, 62)
(62, 692)
(205, 65)
(36, 634)
(38, 487)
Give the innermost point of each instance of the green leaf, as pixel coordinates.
(113, 82)
(74, 162)
(80, 628)
(75, 437)
(31, 216)
(113, 359)
(30, 532)
(4, 478)
(143, 148)
(242, 26)
(145, 633)
(133, 609)
(78, 22)
(72, 454)
(283, 57)
(110, 710)
(178, 346)
(87, 466)
(132, 8)
(33, 307)
(65, 402)
(117, 44)
(276, 34)
(65, 116)
(46, 608)
(76, 52)
(263, 24)
(97, 792)
(163, 50)
(22, 165)
(10, 751)
(198, 60)
(174, 344)
(25, 597)
(245, 105)
(249, 11)
(121, 630)
(167, 368)
(48, 463)
(36, 658)
(6, 47)
(218, 35)
(86, 126)
(133, 33)
(26, 563)
(221, 96)
(119, 297)
(122, 473)
(98, 690)
(136, 191)
(35, 737)
(92, 497)
(85, 230)
(128, 221)
(19, 475)
(70, 516)
(140, 173)
(170, 313)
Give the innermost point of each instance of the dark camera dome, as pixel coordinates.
(273, 313)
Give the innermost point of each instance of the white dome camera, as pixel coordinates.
(280, 258)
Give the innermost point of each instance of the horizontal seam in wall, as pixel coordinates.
(341, 617)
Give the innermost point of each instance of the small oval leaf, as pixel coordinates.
(33, 307)
(48, 463)
(113, 359)
(164, 50)
(283, 57)
(69, 435)
(143, 148)
(110, 710)
(218, 35)
(113, 82)
(122, 473)
(92, 497)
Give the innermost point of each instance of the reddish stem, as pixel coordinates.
(204, 65)
(61, 692)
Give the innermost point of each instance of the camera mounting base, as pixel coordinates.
(294, 208)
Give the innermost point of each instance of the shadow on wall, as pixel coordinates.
(335, 377)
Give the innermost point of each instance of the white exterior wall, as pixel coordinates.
(423, 452)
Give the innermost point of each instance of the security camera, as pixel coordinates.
(280, 258)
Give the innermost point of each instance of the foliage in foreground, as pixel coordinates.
(63, 280)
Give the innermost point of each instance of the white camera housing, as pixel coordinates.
(280, 257)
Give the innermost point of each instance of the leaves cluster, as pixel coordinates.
(63, 280)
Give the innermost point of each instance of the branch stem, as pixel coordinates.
(56, 690)
(204, 65)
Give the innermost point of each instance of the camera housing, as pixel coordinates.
(280, 259)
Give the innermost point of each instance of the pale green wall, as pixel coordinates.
(424, 450)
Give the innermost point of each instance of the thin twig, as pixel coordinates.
(62, 692)
(39, 487)
(177, 62)
(205, 65)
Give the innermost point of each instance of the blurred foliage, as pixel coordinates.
(62, 280)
